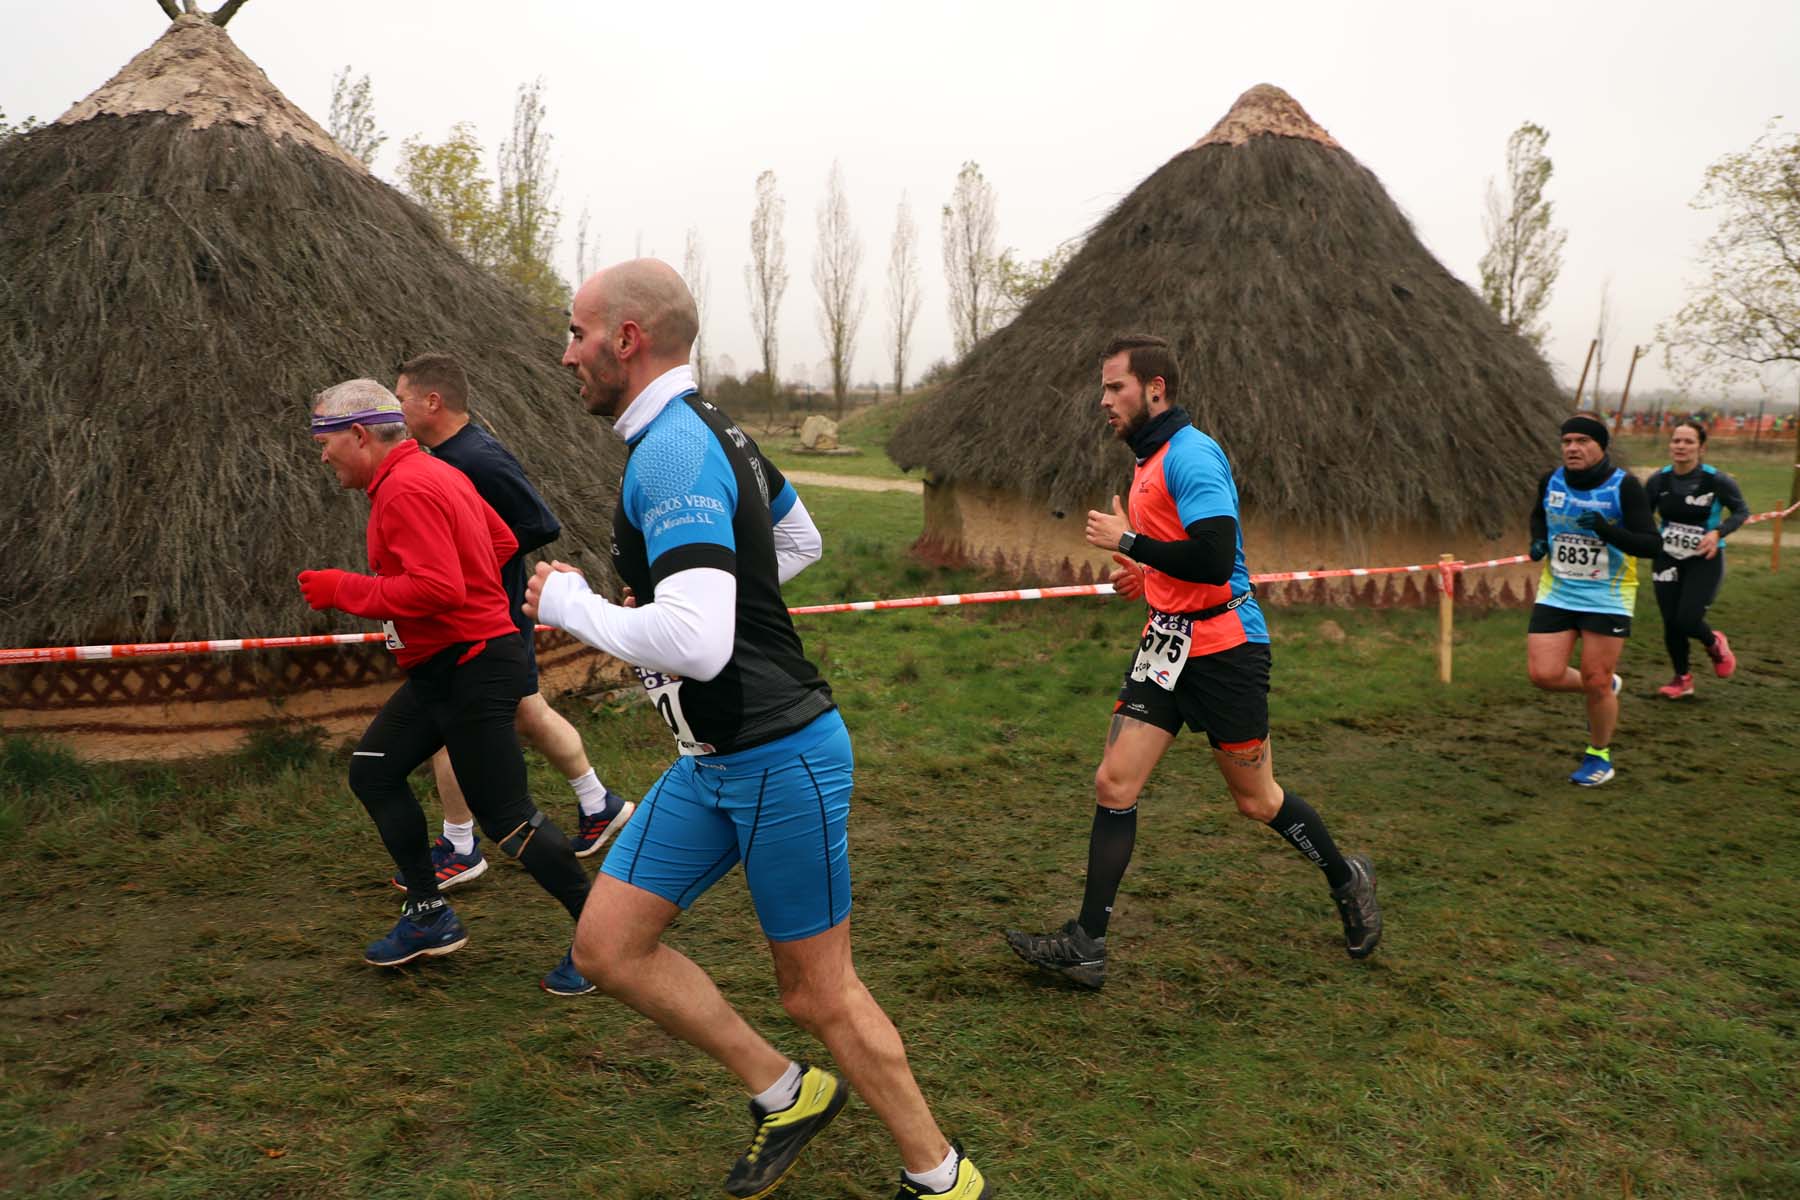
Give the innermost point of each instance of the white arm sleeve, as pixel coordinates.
(797, 542)
(687, 631)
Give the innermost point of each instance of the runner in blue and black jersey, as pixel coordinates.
(707, 530)
(1203, 660)
(1692, 501)
(1591, 524)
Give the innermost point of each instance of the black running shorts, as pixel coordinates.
(1548, 618)
(1223, 695)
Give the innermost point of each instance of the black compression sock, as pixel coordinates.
(1109, 853)
(1305, 831)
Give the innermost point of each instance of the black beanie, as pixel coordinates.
(1582, 423)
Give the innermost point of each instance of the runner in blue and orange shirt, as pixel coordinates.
(1203, 660)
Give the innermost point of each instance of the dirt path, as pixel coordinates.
(855, 483)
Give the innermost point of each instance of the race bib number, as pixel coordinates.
(1577, 556)
(1682, 541)
(393, 636)
(1164, 650)
(665, 696)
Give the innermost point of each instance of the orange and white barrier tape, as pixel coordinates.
(1777, 514)
(1446, 573)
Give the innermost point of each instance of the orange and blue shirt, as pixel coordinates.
(1188, 479)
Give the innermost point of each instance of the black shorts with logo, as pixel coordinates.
(1548, 618)
(1224, 695)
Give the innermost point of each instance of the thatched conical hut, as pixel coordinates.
(1375, 410)
(185, 257)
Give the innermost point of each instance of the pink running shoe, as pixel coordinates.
(1724, 661)
(1676, 688)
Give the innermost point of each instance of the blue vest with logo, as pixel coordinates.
(1582, 573)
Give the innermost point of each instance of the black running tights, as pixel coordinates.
(1685, 588)
(469, 708)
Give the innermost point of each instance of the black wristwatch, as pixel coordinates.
(1127, 540)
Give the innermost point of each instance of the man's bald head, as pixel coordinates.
(649, 293)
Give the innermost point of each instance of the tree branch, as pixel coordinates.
(226, 11)
(168, 6)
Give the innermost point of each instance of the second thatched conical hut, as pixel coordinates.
(1375, 410)
(185, 257)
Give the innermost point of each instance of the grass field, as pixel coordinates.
(866, 429)
(1580, 993)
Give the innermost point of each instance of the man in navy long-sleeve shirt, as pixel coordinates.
(434, 394)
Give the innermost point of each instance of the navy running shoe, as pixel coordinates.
(565, 980)
(425, 930)
(598, 829)
(452, 869)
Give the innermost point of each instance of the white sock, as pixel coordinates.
(590, 793)
(462, 837)
(940, 1178)
(782, 1093)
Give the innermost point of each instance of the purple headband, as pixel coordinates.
(368, 416)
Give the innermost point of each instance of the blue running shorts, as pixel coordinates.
(780, 808)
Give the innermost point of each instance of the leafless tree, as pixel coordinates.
(902, 290)
(693, 269)
(353, 118)
(766, 278)
(587, 249)
(970, 232)
(836, 266)
(1603, 330)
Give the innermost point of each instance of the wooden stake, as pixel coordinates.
(1619, 417)
(1793, 496)
(1446, 613)
(1584, 370)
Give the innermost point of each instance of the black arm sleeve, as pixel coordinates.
(1732, 497)
(1207, 555)
(1636, 532)
(1540, 524)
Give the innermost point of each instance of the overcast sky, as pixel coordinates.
(663, 115)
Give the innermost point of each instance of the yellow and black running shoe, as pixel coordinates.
(781, 1136)
(969, 1184)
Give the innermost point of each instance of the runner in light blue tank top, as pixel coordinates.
(1590, 525)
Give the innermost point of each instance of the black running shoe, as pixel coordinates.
(1358, 907)
(1069, 952)
(781, 1136)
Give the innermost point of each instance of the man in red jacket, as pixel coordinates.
(436, 549)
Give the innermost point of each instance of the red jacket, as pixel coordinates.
(436, 549)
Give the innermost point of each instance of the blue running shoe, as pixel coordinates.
(424, 930)
(452, 869)
(565, 980)
(598, 829)
(1595, 769)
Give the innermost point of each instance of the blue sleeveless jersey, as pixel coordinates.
(1582, 573)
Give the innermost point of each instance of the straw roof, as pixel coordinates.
(1355, 383)
(185, 257)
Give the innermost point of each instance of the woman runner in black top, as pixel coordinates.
(1689, 499)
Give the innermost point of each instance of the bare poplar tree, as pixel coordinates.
(1602, 339)
(693, 269)
(766, 278)
(587, 248)
(970, 232)
(1524, 254)
(902, 290)
(353, 117)
(836, 265)
(527, 186)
